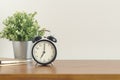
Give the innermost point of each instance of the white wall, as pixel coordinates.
(86, 29)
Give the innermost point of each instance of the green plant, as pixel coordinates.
(21, 27)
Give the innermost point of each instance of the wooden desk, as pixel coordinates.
(64, 70)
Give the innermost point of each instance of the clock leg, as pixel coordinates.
(52, 64)
(36, 64)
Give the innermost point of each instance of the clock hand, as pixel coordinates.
(44, 47)
(42, 54)
(43, 51)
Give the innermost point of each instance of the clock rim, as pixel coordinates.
(50, 60)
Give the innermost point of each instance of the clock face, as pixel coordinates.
(44, 52)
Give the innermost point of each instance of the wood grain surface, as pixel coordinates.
(63, 70)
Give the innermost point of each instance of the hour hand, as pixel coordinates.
(42, 54)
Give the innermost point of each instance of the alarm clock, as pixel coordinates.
(44, 50)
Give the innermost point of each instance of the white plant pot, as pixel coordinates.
(22, 49)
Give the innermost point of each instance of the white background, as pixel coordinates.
(85, 29)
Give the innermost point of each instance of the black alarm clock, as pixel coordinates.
(44, 50)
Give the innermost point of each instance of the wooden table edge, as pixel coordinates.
(59, 76)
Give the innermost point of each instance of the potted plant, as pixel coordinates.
(21, 28)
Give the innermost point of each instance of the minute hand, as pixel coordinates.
(44, 47)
